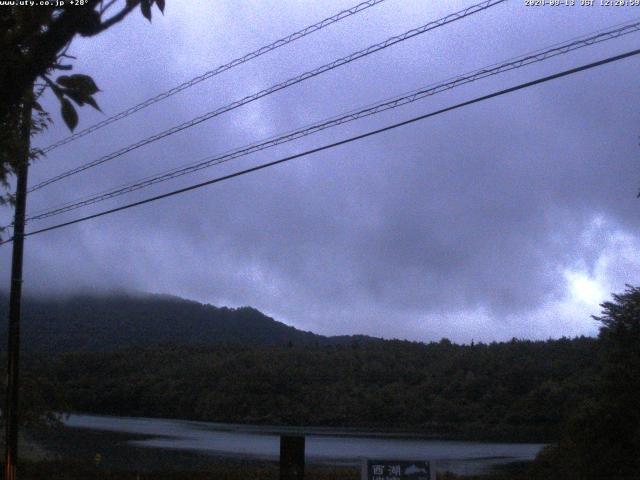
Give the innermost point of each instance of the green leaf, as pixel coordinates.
(75, 96)
(69, 114)
(81, 98)
(57, 90)
(83, 84)
(160, 4)
(145, 6)
(91, 101)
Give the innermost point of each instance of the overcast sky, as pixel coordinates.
(512, 217)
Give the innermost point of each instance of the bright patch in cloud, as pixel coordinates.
(584, 289)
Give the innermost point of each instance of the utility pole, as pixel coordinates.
(13, 352)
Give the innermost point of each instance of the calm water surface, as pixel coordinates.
(322, 445)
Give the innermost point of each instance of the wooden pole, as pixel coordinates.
(13, 353)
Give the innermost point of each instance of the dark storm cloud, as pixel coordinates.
(510, 217)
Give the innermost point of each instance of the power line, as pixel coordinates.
(338, 143)
(216, 71)
(517, 62)
(274, 88)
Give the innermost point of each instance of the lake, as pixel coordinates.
(323, 445)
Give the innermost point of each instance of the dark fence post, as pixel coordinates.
(291, 458)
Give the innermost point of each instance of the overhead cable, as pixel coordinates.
(274, 88)
(216, 71)
(514, 63)
(338, 143)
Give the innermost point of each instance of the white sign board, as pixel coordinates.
(397, 470)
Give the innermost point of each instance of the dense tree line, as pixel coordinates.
(519, 390)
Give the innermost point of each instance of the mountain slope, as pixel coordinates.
(108, 322)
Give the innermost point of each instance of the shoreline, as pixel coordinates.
(110, 451)
(75, 453)
(318, 431)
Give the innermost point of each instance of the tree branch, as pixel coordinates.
(118, 17)
(106, 7)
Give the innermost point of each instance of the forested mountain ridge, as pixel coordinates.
(163, 356)
(122, 320)
(517, 390)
